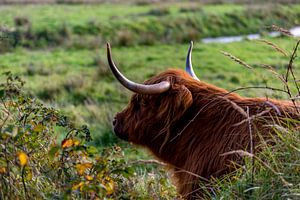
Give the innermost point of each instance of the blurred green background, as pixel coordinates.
(59, 49)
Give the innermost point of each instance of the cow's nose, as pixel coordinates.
(114, 121)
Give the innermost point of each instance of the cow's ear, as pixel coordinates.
(176, 102)
(183, 99)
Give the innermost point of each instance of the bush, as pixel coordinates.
(159, 11)
(43, 155)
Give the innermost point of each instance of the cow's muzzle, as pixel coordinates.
(118, 129)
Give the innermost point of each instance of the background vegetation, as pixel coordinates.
(87, 26)
(59, 51)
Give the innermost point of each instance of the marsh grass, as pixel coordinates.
(272, 173)
(272, 170)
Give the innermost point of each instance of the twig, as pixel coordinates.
(191, 173)
(273, 106)
(251, 144)
(236, 107)
(147, 162)
(272, 70)
(257, 87)
(290, 69)
(252, 117)
(290, 66)
(23, 181)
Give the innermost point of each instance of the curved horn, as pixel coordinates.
(189, 67)
(135, 87)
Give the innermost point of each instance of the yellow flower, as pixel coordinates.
(67, 143)
(23, 158)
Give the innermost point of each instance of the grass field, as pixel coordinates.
(77, 81)
(85, 26)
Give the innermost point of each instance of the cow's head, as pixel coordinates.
(156, 105)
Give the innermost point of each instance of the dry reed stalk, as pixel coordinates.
(257, 87)
(290, 69)
(274, 46)
(281, 30)
(273, 71)
(239, 61)
(148, 162)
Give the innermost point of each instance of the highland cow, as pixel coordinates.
(190, 124)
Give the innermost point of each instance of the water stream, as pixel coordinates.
(227, 39)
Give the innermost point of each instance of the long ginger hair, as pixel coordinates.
(193, 124)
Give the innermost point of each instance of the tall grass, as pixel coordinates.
(271, 169)
(272, 173)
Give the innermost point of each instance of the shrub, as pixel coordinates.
(159, 11)
(125, 38)
(21, 21)
(43, 155)
(191, 8)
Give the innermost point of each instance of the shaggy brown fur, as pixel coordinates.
(192, 124)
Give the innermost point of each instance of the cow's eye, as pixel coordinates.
(143, 103)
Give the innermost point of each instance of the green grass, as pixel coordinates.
(85, 26)
(72, 81)
(45, 16)
(272, 174)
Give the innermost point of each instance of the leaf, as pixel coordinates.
(89, 178)
(82, 167)
(76, 142)
(2, 170)
(109, 185)
(92, 150)
(38, 128)
(67, 143)
(79, 185)
(2, 92)
(23, 158)
(52, 152)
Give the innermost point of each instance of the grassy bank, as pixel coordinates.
(86, 26)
